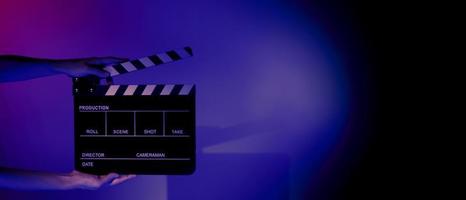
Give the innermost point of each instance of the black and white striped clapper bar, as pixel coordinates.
(135, 129)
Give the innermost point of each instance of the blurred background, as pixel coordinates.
(285, 93)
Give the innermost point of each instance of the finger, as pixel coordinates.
(105, 60)
(107, 179)
(97, 72)
(122, 179)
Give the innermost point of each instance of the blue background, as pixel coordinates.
(275, 92)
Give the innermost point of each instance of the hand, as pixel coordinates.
(79, 180)
(86, 66)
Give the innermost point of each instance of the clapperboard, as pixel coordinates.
(135, 129)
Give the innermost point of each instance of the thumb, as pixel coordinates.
(97, 72)
(107, 179)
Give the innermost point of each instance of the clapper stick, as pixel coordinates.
(149, 61)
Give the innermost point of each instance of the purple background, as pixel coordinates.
(273, 98)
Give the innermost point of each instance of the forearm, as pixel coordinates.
(31, 180)
(18, 68)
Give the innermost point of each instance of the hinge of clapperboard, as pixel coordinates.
(87, 85)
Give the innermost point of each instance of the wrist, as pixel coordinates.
(66, 182)
(56, 66)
